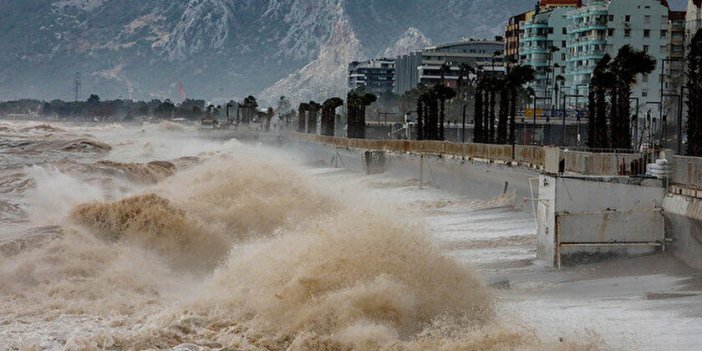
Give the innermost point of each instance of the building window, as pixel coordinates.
(563, 43)
(627, 33)
(647, 33)
(611, 18)
(627, 18)
(644, 93)
(565, 31)
(664, 33)
(645, 48)
(610, 32)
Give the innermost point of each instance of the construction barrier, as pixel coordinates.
(687, 172)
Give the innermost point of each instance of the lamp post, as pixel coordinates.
(565, 97)
(559, 80)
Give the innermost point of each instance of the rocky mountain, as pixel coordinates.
(219, 49)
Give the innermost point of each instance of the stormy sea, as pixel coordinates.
(150, 236)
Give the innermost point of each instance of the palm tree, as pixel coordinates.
(302, 117)
(493, 87)
(518, 76)
(420, 117)
(694, 101)
(329, 115)
(464, 70)
(357, 102)
(445, 68)
(601, 81)
(443, 93)
(627, 65)
(431, 114)
(312, 114)
(250, 107)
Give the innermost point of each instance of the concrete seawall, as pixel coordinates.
(488, 171)
(469, 177)
(683, 223)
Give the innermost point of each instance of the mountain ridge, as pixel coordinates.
(219, 49)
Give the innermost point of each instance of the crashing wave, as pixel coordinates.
(151, 222)
(151, 172)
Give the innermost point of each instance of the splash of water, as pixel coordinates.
(242, 251)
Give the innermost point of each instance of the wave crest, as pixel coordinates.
(151, 222)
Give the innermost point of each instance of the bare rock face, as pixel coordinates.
(411, 40)
(219, 49)
(325, 76)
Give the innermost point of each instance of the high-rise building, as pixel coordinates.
(407, 75)
(376, 76)
(544, 47)
(512, 36)
(514, 30)
(603, 27)
(675, 67)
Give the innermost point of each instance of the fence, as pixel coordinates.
(687, 171)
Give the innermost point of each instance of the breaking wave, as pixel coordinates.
(243, 252)
(84, 145)
(43, 128)
(150, 222)
(152, 172)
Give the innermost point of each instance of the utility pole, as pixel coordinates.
(78, 85)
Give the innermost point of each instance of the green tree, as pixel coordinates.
(165, 110)
(93, 99)
(516, 78)
(249, 108)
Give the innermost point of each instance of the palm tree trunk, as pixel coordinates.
(502, 120)
(442, 116)
(513, 115)
(493, 102)
(486, 117)
(601, 119)
(592, 118)
(434, 123)
(420, 119)
(624, 139)
(478, 117)
(614, 118)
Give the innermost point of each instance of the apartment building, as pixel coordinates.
(376, 76)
